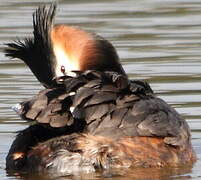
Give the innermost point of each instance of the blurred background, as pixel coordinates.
(157, 41)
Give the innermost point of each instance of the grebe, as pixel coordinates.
(90, 116)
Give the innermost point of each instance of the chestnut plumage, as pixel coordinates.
(55, 46)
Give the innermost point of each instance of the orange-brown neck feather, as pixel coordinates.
(76, 49)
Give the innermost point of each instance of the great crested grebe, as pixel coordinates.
(90, 116)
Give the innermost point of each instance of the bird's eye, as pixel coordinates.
(63, 69)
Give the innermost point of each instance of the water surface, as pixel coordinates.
(159, 41)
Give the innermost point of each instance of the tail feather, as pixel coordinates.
(37, 52)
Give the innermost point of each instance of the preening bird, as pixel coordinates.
(90, 116)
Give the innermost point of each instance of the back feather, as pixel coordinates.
(106, 102)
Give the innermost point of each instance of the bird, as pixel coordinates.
(90, 116)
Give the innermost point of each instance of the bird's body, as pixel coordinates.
(90, 116)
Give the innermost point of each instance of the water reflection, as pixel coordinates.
(157, 41)
(181, 173)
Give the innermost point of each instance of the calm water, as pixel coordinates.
(159, 41)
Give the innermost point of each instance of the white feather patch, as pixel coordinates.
(63, 59)
(71, 93)
(72, 109)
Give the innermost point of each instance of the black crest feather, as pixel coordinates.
(37, 52)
